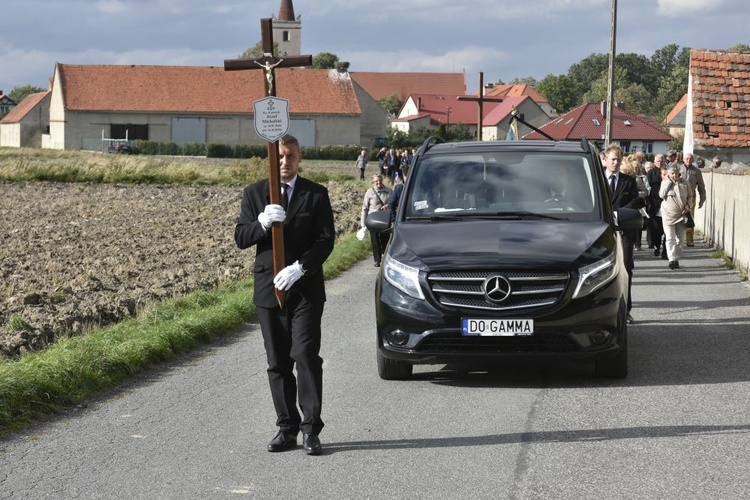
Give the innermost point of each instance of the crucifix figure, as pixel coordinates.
(480, 100)
(269, 71)
(268, 63)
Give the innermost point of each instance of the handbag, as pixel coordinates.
(688, 217)
(689, 222)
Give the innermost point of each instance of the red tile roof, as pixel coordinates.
(720, 83)
(22, 109)
(380, 85)
(201, 89)
(516, 89)
(437, 105)
(581, 122)
(503, 109)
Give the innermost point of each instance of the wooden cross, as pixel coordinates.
(480, 100)
(268, 63)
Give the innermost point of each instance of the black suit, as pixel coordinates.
(626, 196)
(292, 335)
(653, 203)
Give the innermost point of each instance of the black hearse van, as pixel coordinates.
(499, 250)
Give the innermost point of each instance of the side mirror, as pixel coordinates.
(378, 221)
(628, 219)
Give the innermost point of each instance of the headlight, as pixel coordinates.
(596, 275)
(403, 277)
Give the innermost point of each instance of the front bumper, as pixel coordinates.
(416, 331)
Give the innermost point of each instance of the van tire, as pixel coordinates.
(616, 366)
(390, 369)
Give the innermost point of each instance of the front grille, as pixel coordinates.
(529, 290)
(456, 344)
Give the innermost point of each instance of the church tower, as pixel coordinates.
(287, 30)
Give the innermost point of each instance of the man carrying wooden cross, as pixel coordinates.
(289, 321)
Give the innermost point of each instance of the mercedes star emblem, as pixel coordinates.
(496, 288)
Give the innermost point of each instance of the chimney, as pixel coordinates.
(603, 109)
(342, 67)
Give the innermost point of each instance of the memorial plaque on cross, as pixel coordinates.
(480, 100)
(268, 63)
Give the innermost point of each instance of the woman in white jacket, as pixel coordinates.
(677, 196)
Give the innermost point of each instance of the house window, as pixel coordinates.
(625, 146)
(595, 122)
(285, 36)
(648, 147)
(120, 131)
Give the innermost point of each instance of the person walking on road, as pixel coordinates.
(361, 163)
(376, 198)
(292, 333)
(624, 194)
(693, 176)
(677, 198)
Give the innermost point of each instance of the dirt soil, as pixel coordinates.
(76, 255)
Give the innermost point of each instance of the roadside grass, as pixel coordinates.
(29, 165)
(74, 370)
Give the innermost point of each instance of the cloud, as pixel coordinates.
(682, 8)
(111, 7)
(470, 59)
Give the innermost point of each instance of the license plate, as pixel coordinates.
(497, 327)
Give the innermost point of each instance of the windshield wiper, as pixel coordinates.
(515, 214)
(451, 217)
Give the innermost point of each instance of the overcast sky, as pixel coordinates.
(504, 39)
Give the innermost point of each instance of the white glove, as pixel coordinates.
(361, 233)
(271, 214)
(288, 276)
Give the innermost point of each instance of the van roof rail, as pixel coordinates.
(429, 142)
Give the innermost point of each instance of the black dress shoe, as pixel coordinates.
(283, 441)
(312, 445)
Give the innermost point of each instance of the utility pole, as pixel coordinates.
(611, 76)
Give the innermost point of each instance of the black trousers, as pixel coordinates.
(628, 238)
(378, 242)
(656, 230)
(292, 338)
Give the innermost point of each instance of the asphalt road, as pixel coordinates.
(677, 427)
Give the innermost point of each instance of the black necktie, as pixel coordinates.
(284, 195)
(612, 179)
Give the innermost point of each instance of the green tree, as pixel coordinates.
(459, 132)
(391, 103)
(664, 59)
(740, 47)
(397, 138)
(671, 89)
(324, 60)
(529, 80)
(559, 90)
(586, 72)
(256, 51)
(634, 96)
(18, 94)
(639, 70)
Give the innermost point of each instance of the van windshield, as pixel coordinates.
(562, 186)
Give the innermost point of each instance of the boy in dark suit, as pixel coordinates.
(291, 335)
(623, 192)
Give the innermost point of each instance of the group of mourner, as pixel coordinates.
(664, 190)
